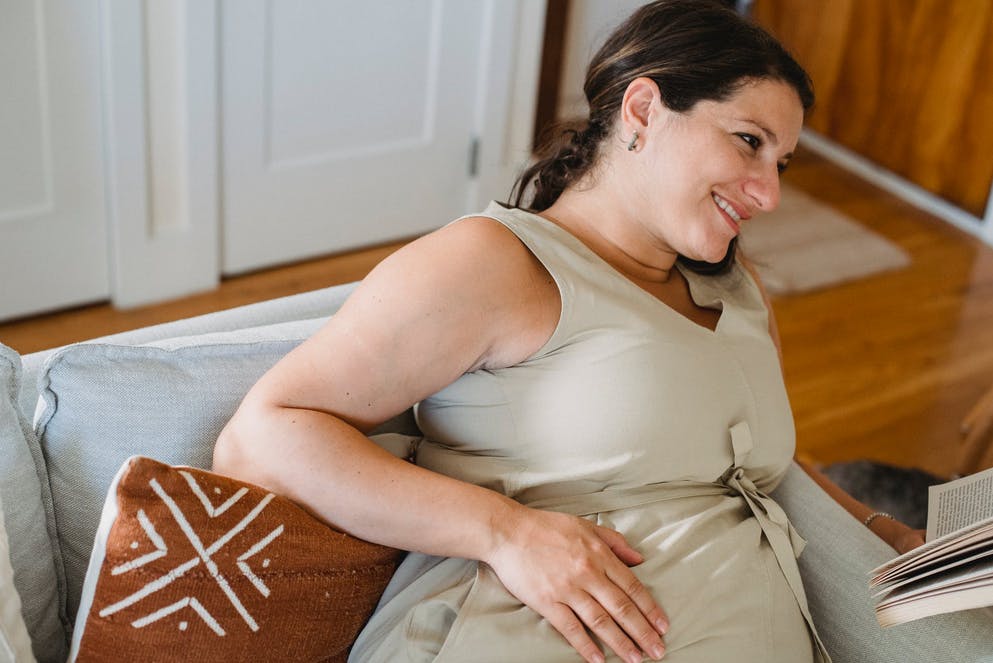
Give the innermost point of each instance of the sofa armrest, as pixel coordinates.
(835, 567)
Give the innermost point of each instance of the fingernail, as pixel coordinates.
(661, 625)
(658, 651)
(636, 657)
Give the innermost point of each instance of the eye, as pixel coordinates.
(753, 141)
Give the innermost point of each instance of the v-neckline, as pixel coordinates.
(692, 285)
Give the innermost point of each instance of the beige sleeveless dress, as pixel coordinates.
(635, 417)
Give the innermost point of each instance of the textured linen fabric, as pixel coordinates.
(105, 403)
(193, 565)
(635, 417)
(836, 567)
(305, 306)
(15, 644)
(169, 400)
(30, 550)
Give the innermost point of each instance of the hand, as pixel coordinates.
(907, 539)
(897, 534)
(575, 573)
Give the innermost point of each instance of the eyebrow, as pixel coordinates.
(768, 132)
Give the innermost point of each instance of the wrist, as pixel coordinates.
(504, 525)
(887, 528)
(871, 518)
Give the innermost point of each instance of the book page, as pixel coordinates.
(959, 503)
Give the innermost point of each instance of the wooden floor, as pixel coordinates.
(883, 368)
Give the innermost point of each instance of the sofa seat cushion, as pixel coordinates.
(30, 550)
(192, 565)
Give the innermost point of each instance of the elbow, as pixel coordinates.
(238, 453)
(227, 450)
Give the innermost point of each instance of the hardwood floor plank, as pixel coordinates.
(886, 367)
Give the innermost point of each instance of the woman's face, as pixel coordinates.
(706, 172)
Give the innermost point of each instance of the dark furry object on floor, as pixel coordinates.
(901, 491)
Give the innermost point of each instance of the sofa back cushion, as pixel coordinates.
(167, 400)
(31, 554)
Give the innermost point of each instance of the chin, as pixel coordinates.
(711, 255)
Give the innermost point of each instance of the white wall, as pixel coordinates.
(589, 24)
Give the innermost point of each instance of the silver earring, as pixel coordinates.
(633, 143)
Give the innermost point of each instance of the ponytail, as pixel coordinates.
(563, 160)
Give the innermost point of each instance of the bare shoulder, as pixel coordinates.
(476, 273)
(475, 263)
(467, 296)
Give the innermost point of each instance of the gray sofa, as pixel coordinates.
(73, 415)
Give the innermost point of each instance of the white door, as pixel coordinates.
(53, 232)
(347, 123)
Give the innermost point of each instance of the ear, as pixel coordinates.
(638, 103)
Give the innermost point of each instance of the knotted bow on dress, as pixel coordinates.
(785, 541)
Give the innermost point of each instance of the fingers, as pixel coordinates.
(910, 540)
(593, 613)
(620, 623)
(630, 603)
(565, 622)
(619, 546)
(604, 616)
(648, 610)
(575, 574)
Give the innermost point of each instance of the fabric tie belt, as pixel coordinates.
(785, 541)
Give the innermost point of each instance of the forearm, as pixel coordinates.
(343, 478)
(887, 529)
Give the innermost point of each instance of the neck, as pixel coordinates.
(609, 227)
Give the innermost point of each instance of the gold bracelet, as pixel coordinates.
(873, 516)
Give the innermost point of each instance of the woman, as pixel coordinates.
(597, 380)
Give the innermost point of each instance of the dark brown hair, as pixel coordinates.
(694, 50)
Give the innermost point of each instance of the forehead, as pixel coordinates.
(772, 105)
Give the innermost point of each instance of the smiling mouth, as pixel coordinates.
(727, 207)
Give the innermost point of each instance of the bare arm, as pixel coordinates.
(466, 297)
(898, 535)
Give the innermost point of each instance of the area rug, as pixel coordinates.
(900, 491)
(806, 245)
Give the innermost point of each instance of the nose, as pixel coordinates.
(763, 188)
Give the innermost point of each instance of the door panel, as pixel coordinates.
(53, 234)
(344, 124)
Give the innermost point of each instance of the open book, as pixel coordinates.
(954, 569)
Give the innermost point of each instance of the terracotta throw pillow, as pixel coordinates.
(192, 565)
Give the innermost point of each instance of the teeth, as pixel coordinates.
(726, 206)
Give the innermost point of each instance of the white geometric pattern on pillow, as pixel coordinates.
(205, 555)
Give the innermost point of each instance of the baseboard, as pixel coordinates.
(900, 187)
